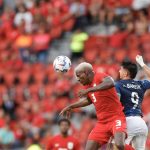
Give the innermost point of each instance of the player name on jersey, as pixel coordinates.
(132, 86)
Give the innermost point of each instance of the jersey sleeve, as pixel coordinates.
(146, 84)
(100, 77)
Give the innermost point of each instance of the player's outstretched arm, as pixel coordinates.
(81, 103)
(139, 60)
(107, 83)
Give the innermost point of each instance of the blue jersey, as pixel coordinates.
(131, 94)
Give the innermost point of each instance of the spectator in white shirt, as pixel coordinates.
(25, 15)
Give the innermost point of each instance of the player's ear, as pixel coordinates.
(125, 73)
(86, 72)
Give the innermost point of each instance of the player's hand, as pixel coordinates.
(83, 93)
(139, 60)
(66, 112)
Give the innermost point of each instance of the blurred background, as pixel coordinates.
(34, 32)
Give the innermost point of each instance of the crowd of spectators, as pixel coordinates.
(31, 93)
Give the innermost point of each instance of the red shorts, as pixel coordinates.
(102, 132)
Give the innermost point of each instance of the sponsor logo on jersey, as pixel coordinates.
(70, 145)
(57, 145)
(94, 84)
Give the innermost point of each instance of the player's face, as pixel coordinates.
(123, 73)
(64, 127)
(82, 77)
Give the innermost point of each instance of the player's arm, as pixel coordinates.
(118, 90)
(107, 83)
(139, 60)
(81, 103)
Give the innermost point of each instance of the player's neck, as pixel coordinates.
(126, 78)
(64, 135)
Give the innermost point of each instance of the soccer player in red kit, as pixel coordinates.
(99, 90)
(63, 141)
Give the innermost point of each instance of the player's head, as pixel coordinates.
(64, 125)
(84, 73)
(128, 70)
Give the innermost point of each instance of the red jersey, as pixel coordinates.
(59, 142)
(106, 102)
(128, 147)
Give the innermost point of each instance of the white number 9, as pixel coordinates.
(135, 99)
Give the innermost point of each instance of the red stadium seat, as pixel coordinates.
(132, 54)
(90, 56)
(49, 89)
(117, 40)
(113, 71)
(37, 67)
(24, 77)
(105, 55)
(34, 89)
(61, 103)
(76, 89)
(133, 41)
(56, 32)
(50, 73)
(68, 25)
(9, 78)
(39, 77)
(95, 42)
(145, 38)
(145, 105)
(146, 46)
(120, 55)
(90, 42)
(147, 56)
(47, 105)
(19, 91)
(38, 120)
(3, 91)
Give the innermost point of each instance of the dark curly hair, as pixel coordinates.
(64, 120)
(131, 67)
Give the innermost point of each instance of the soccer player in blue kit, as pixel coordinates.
(131, 93)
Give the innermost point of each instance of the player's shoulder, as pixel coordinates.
(144, 81)
(55, 137)
(73, 138)
(118, 83)
(100, 75)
